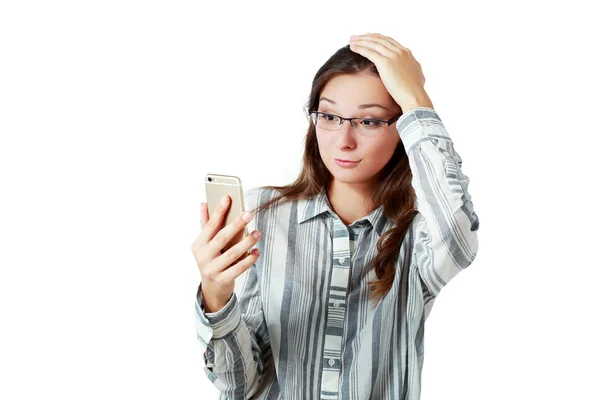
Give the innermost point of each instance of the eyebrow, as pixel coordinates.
(362, 106)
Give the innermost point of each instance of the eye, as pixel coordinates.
(328, 117)
(370, 123)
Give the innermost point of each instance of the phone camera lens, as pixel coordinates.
(210, 179)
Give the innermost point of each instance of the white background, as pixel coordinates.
(112, 112)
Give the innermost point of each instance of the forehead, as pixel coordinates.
(350, 91)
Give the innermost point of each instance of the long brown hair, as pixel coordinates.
(393, 188)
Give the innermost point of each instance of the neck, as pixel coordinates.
(350, 201)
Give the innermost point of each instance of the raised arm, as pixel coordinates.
(446, 232)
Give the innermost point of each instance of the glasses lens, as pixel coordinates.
(365, 126)
(370, 127)
(326, 121)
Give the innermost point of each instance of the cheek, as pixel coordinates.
(324, 144)
(380, 153)
(385, 147)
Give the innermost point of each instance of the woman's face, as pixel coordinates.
(349, 92)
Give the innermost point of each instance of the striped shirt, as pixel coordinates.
(300, 324)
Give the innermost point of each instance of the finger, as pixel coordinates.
(224, 236)
(215, 221)
(232, 254)
(203, 215)
(385, 41)
(238, 268)
(203, 221)
(389, 40)
(367, 52)
(378, 43)
(374, 45)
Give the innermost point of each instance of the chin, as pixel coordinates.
(349, 177)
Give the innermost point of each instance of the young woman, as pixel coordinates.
(353, 253)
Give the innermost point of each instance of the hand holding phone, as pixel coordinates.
(218, 269)
(217, 186)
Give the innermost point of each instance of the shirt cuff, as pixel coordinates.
(224, 321)
(418, 124)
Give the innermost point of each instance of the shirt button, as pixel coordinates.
(331, 362)
(336, 305)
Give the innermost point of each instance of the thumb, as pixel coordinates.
(203, 215)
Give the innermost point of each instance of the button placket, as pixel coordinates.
(338, 288)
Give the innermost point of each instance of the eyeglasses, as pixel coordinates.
(366, 126)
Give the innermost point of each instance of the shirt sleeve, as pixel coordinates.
(235, 342)
(447, 225)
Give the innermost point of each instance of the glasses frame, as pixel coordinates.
(342, 119)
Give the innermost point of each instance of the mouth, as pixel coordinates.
(346, 163)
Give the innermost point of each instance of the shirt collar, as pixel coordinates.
(319, 204)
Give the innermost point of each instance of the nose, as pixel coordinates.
(346, 135)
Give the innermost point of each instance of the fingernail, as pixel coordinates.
(352, 37)
(247, 216)
(224, 200)
(256, 235)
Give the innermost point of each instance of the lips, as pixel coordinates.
(346, 164)
(348, 161)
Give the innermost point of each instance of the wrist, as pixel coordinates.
(211, 303)
(420, 100)
(212, 307)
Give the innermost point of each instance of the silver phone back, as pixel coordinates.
(216, 187)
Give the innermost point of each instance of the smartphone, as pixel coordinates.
(216, 187)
